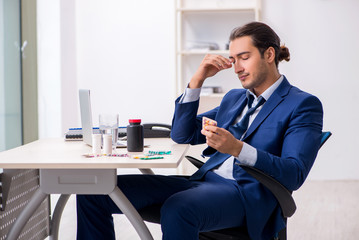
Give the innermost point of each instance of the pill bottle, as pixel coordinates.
(134, 136)
(96, 144)
(107, 144)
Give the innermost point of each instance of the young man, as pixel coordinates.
(270, 125)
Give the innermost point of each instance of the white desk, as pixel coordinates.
(64, 170)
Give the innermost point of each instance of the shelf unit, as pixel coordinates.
(208, 21)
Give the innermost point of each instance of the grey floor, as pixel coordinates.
(325, 210)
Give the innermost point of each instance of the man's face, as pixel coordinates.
(250, 67)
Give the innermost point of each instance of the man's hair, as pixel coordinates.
(263, 37)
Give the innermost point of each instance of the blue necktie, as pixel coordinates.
(241, 127)
(237, 130)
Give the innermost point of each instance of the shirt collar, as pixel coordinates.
(268, 92)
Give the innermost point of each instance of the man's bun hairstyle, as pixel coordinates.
(284, 54)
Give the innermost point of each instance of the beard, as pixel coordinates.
(257, 78)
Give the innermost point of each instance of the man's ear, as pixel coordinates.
(270, 55)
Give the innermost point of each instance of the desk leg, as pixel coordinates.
(25, 214)
(131, 213)
(56, 216)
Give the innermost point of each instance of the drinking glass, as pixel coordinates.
(108, 124)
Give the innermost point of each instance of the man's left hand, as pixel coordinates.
(222, 140)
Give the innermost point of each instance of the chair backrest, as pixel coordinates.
(325, 137)
(282, 195)
(16, 189)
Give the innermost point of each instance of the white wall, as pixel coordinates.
(124, 54)
(323, 37)
(69, 83)
(49, 68)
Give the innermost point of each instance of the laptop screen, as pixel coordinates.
(86, 115)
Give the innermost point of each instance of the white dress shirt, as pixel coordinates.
(248, 154)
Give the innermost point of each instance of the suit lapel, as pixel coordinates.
(274, 100)
(235, 111)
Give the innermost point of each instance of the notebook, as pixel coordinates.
(86, 119)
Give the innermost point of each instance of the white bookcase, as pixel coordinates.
(202, 27)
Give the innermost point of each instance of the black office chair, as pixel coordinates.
(283, 196)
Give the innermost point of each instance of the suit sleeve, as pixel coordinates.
(186, 125)
(300, 146)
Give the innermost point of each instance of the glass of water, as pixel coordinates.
(108, 124)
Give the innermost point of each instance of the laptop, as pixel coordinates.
(86, 120)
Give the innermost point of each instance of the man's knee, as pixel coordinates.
(176, 210)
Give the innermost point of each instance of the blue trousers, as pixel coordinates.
(188, 207)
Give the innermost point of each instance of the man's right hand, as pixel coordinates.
(210, 66)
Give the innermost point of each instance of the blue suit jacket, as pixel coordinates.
(286, 134)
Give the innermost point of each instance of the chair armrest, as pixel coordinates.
(197, 163)
(283, 196)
